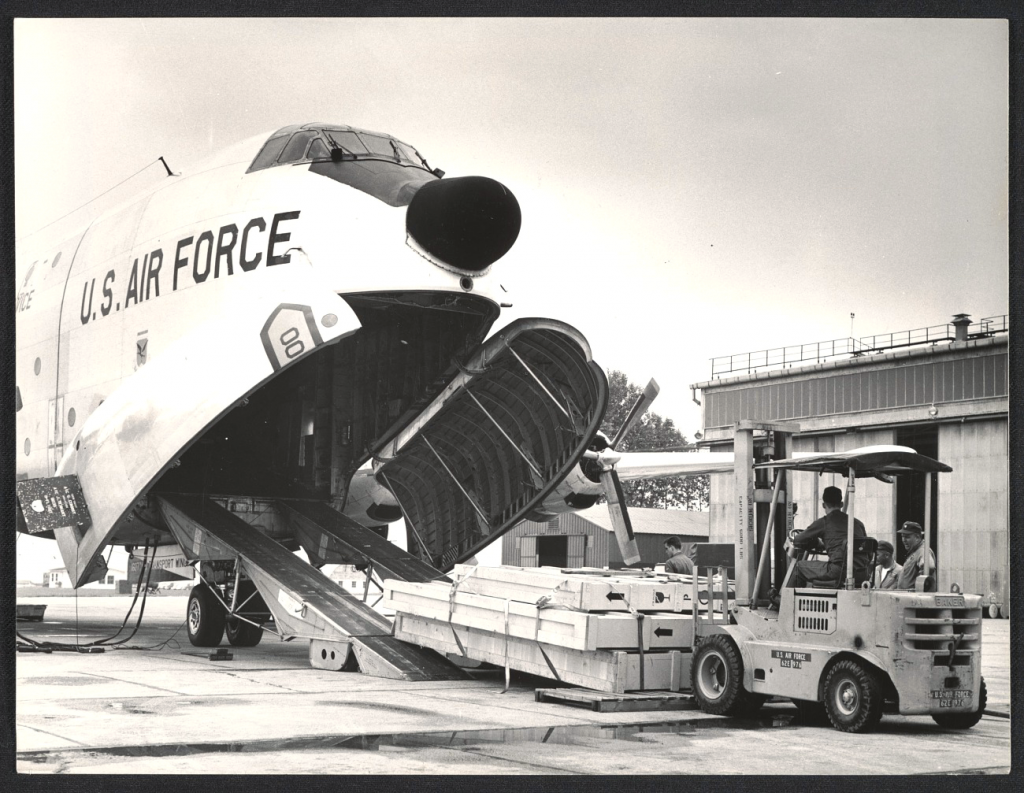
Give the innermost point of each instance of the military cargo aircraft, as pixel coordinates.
(288, 347)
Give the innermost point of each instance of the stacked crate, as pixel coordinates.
(610, 632)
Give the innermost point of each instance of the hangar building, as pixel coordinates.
(941, 390)
(587, 538)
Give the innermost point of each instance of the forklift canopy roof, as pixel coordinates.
(866, 461)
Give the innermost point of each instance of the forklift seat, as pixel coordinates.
(862, 546)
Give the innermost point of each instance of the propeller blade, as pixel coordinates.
(620, 517)
(637, 411)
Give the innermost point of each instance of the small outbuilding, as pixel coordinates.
(587, 538)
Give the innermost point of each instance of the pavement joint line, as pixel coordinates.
(53, 735)
(131, 682)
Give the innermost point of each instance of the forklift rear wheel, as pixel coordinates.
(853, 697)
(206, 617)
(717, 678)
(964, 721)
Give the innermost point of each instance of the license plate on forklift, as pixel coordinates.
(953, 699)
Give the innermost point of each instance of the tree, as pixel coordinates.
(651, 432)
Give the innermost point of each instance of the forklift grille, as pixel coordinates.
(936, 629)
(815, 614)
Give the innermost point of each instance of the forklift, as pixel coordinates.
(848, 653)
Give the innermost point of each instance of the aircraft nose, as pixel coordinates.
(468, 222)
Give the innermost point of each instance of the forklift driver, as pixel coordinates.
(829, 532)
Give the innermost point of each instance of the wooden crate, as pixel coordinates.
(560, 627)
(602, 670)
(582, 591)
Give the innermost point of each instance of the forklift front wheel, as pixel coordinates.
(717, 677)
(853, 697)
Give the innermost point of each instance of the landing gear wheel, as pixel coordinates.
(716, 678)
(206, 617)
(964, 721)
(992, 611)
(239, 632)
(853, 697)
(242, 634)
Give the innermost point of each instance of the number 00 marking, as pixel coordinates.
(294, 340)
(293, 345)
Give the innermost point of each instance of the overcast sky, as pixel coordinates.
(690, 188)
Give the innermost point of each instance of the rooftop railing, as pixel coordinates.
(781, 357)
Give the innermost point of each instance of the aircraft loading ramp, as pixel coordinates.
(322, 530)
(305, 603)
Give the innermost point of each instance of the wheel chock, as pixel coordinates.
(221, 654)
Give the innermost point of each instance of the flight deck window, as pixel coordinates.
(379, 146)
(270, 153)
(318, 151)
(409, 153)
(347, 140)
(296, 147)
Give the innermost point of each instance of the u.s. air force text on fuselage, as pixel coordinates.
(207, 259)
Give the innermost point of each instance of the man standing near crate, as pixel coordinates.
(678, 562)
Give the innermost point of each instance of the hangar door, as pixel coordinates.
(553, 550)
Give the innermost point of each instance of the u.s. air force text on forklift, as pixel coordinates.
(852, 652)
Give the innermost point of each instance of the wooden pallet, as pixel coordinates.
(604, 702)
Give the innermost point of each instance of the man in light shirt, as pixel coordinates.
(887, 572)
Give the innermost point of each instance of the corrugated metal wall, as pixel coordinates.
(900, 384)
(974, 508)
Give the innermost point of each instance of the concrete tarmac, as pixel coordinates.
(159, 705)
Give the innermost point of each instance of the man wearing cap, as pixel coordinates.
(912, 536)
(887, 572)
(830, 531)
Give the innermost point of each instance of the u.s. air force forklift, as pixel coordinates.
(852, 651)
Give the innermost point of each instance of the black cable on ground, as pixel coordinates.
(78, 646)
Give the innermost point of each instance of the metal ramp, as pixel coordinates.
(304, 602)
(324, 532)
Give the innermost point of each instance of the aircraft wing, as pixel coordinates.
(653, 465)
(866, 461)
(263, 326)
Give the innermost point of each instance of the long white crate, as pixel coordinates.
(557, 626)
(602, 670)
(579, 591)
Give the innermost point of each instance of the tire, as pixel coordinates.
(205, 617)
(811, 713)
(853, 697)
(716, 678)
(964, 721)
(992, 611)
(241, 633)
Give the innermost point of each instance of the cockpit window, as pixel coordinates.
(347, 141)
(319, 151)
(298, 145)
(268, 156)
(296, 148)
(380, 146)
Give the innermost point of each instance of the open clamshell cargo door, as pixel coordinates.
(510, 425)
(261, 327)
